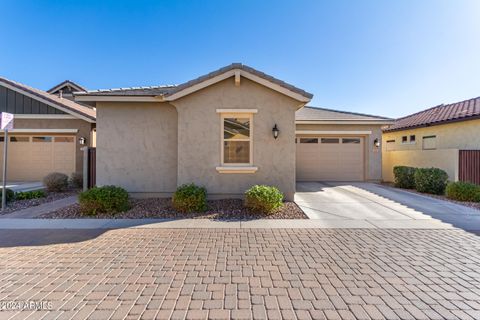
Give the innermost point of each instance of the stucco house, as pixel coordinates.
(227, 130)
(445, 136)
(49, 132)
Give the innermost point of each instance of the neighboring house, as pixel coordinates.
(219, 131)
(48, 134)
(66, 89)
(435, 137)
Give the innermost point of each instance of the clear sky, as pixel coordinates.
(386, 57)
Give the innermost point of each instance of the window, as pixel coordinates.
(429, 142)
(63, 139)
(330, 140)
(308, 140)
(19, 139)
(351, 140)
(237, 142)
(2, 139)
(42, 139)
(404, 139)
(412, 138)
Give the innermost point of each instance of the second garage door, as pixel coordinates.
(330, 158)
(31, 158)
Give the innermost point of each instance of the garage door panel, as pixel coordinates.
(327, 161)
(31, 158)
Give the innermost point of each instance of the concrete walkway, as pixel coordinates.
(381, 206)
(36, 211)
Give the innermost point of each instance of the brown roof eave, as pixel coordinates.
(432, 124)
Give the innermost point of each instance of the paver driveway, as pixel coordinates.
(246, 273)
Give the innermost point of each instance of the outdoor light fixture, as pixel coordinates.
(376, 143)
(275, 131)
(82, 140)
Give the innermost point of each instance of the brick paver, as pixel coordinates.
(249, 273)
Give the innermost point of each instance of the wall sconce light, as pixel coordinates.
(275, 131)
(82, 140)
(376, 143)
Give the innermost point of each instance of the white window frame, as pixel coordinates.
(236, 167)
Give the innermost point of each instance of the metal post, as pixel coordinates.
(4, 184)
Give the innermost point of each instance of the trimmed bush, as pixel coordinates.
(190, 198)
(10, 195)
(106, 199)
(463, 191)
(56, 182)
(27, 195)
(430, 180)
(76, 180)
(404, 177)
(265, 199)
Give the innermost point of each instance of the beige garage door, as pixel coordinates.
(30, 158)
(330, 158)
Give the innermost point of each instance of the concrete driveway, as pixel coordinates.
(380, 205)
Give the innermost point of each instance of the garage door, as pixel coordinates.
(330, 158)
(30, 158)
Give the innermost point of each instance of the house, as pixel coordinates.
(436, 137)
(227, 130)
(49, 132)
(65, 89)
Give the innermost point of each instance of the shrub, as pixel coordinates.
(76, 180)
(190, 198)
(265, 199)
(430, 180)
(463, 191)
(10, 195)
(56, 182)
(27, 195)
(404, 177)
(106, 199)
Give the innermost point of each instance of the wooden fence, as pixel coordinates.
(469, 166)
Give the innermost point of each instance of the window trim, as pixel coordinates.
(241, 114)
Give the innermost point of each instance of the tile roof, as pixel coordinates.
(151, 91)
(172, 89)
(53, 99)
(313, 113)
(444, 113)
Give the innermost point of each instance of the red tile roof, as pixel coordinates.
(458, 111)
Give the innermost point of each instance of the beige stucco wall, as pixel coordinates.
(84, 130)
(199, 138)
(449, 139)
(137, 146)
(373, 156)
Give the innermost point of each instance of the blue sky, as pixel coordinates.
(389, 58)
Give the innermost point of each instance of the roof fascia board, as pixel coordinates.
(274, 86)
(43, 116)
(54, 105)
(201, 85)
(333, 132)
(63, 84)
(345, 121)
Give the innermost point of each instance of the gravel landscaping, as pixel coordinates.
(23, 204)
(228, 209)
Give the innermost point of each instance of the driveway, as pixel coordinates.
(380, 205)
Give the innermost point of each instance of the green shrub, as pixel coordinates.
(404, 177)
(76, 180)
(56, 182)
(10, 195)
(430, 180)
(463, 191)
(27, 195)
(265, 199)
(106, 199)
(190, 198)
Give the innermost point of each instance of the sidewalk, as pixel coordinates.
(36, 211)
